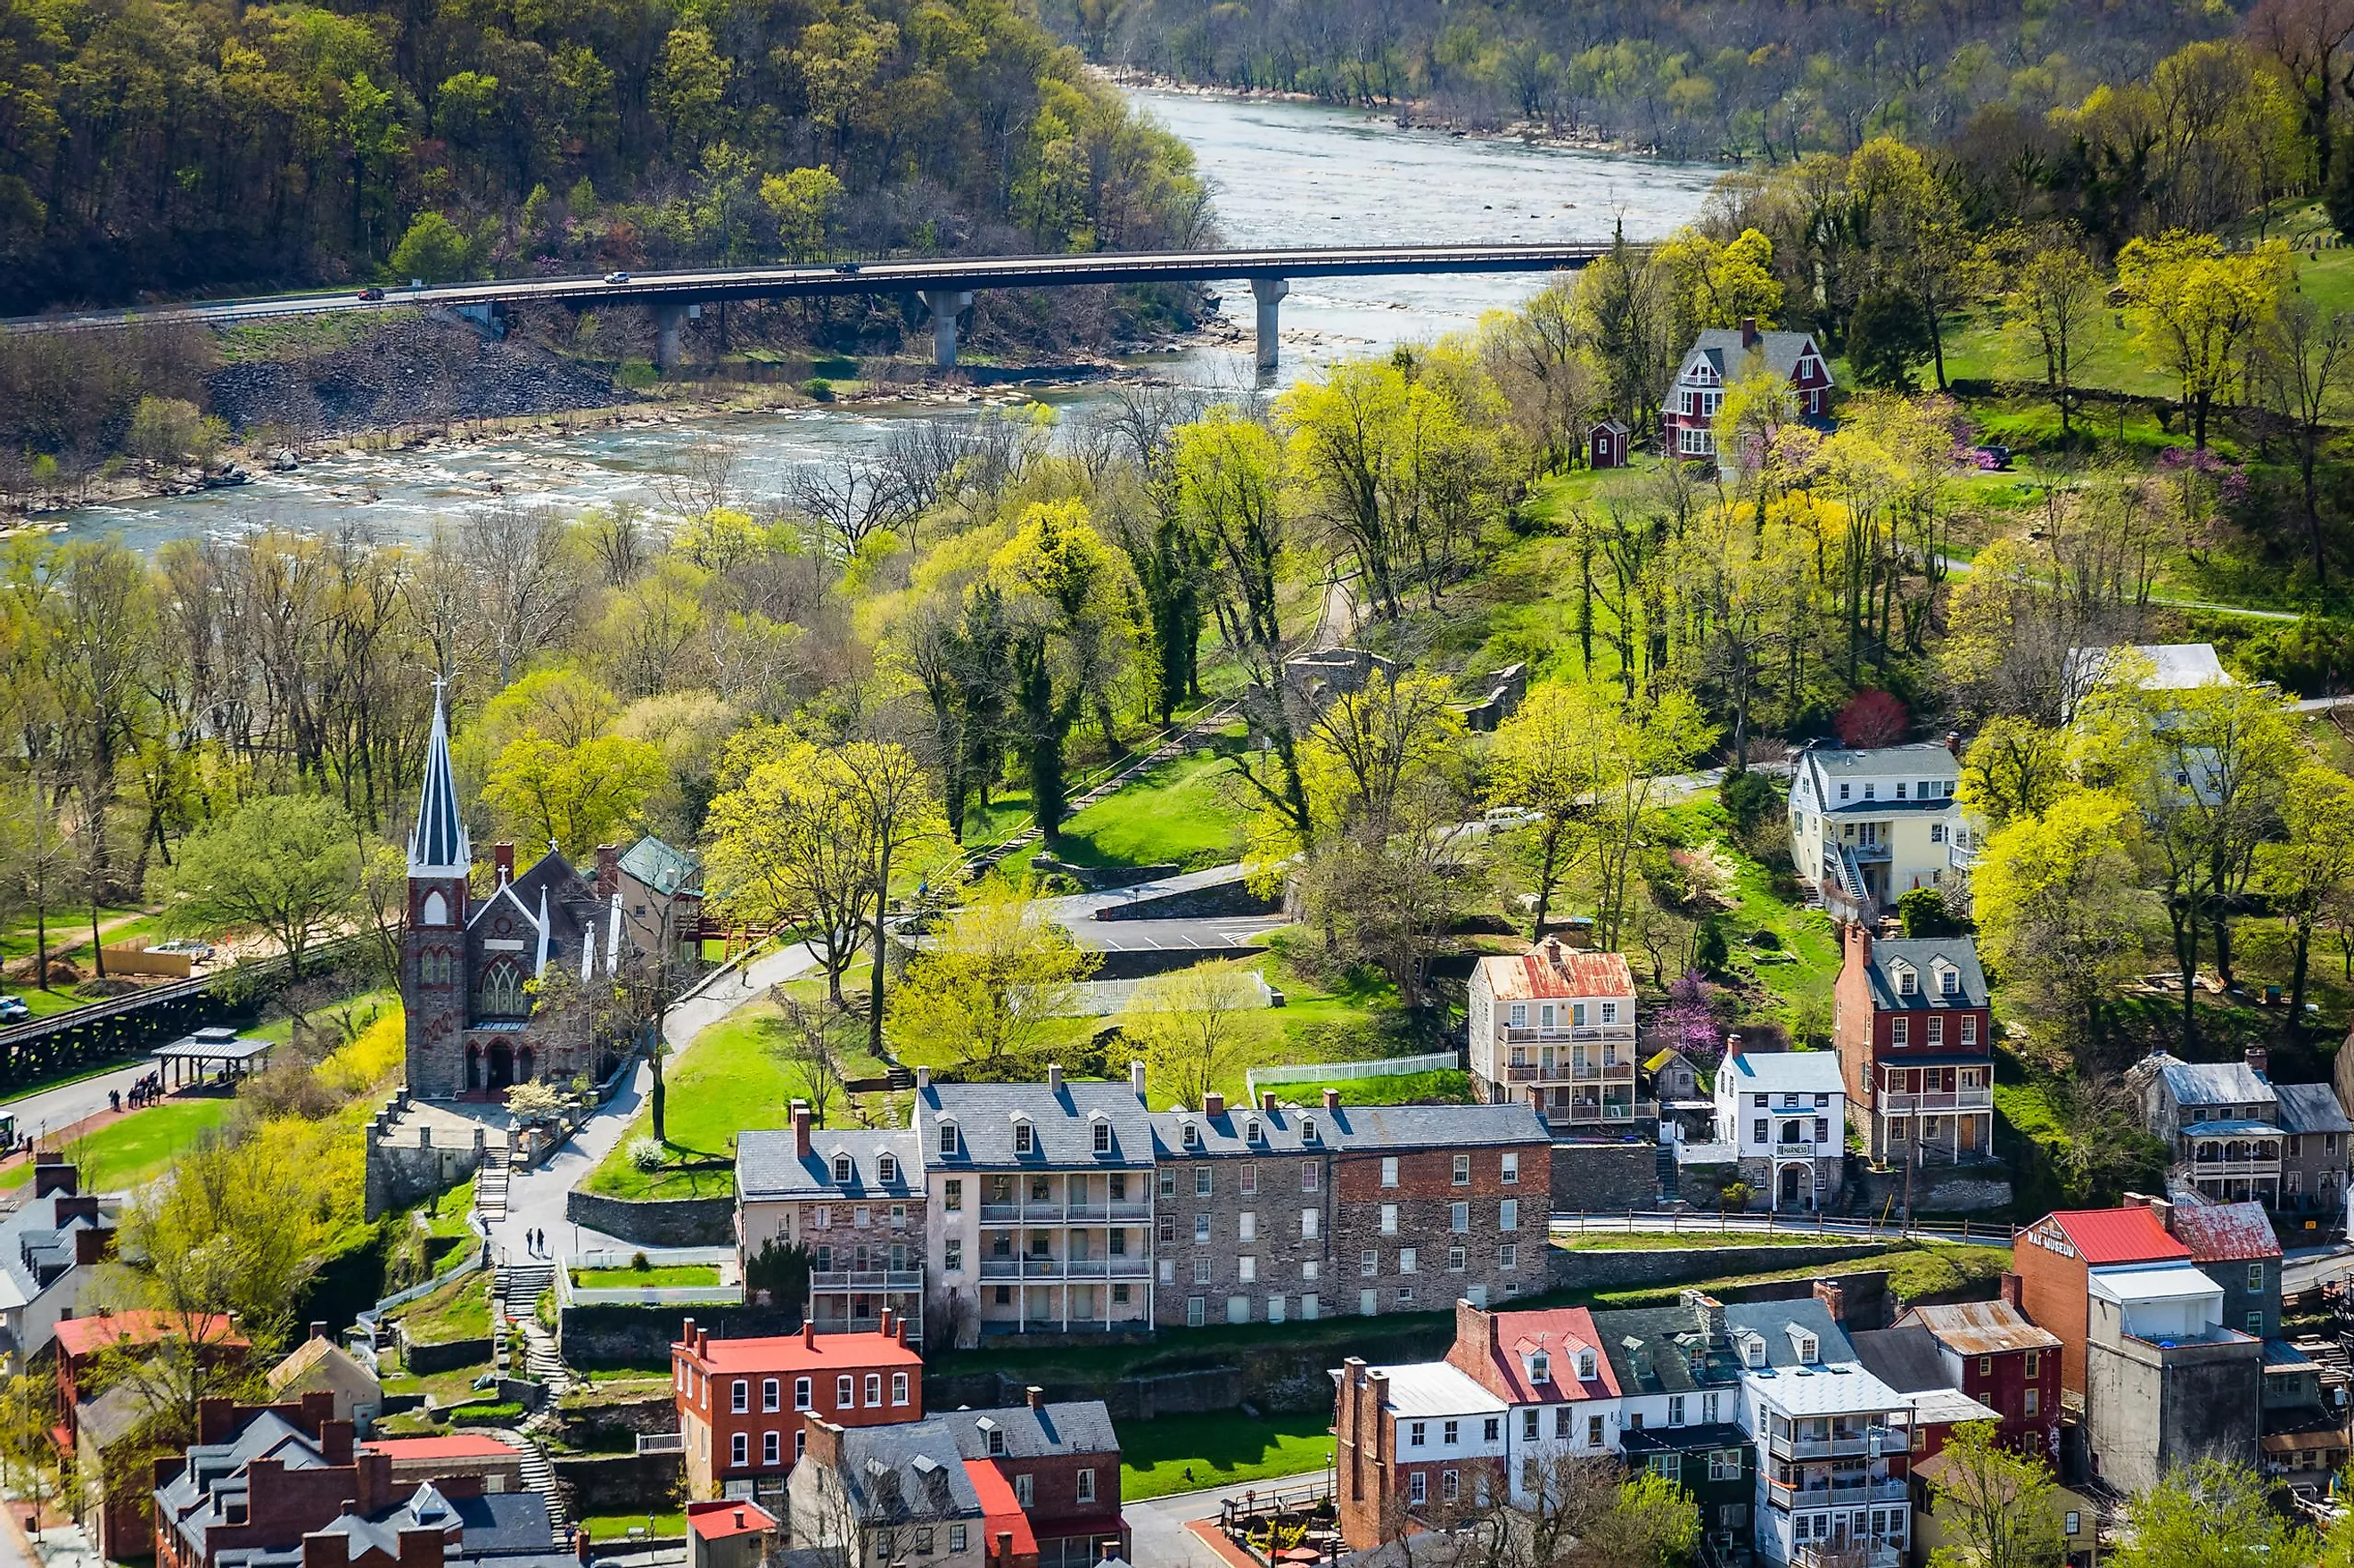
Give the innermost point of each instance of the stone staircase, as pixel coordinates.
(1665, 1161)
(541, 1361)
(539, 1477)
(491, 1190)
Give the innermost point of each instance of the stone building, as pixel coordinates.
(2219, 1121)
(1555, 1028)
(1782, 1117)
(1278, 1211)
(854, 1199)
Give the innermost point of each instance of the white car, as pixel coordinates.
(616, 277)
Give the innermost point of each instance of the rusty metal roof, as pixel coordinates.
(1553, 970)
(1981, 1328)
(2226, 1233)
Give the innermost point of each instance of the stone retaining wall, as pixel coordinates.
(1636, 1268)
(1605, 1178)
(655, 1221)
(447, 1355)
(1952, 1189)
(620, 1483)
(642, 1336)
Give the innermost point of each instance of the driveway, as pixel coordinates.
(1158, 1527)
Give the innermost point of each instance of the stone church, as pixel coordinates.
(467, 962)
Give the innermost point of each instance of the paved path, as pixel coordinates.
(2304, 1267)
(1158, 1527)
(535, 1201)
(70, 1103)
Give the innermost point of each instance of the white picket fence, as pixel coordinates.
(1326, 1072)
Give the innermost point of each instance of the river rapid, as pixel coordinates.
(1283, 173)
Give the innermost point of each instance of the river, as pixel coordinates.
(1283, 173)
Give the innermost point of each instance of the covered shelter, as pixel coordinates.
(190, 1058)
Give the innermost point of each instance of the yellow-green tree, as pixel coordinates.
(2060, 909)
(790, 849)
(2196, 305)
(2209, 1514)
(989, 987)
(1065, 595)
(1996, 1508)
(288, 865)
(573, 797)
(1194, 1028)
(2310, 873)
(1723, 285)
(2015, 768)
(2057, 298)
(803, 202)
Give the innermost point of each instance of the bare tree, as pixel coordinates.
(702, 482)
(522, 590)
(2308, 358)
(847, 500)
(805, 1043)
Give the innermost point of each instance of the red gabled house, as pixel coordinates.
(2055, 1257)
(1993, 1353)
(1721, 355)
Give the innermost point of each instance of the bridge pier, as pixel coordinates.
(668, 320)
(1270, 294)
(946, 306)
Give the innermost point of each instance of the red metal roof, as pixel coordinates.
(1001, 1512)
(2226, 1233)
(457, 1446)
(2117, 1235)
(1554, 969)
(792, 1353)
(723, 1519)
(1560, 1333)
(79, 1337)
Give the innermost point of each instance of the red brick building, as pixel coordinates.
(1915, 1043)
(741, 1401)
(101, 1428)
(1993, 1353)
(1414, 1445)
(1061, 1466)
(2055, 1257)
(1718, 357)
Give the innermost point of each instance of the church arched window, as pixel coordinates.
(436, 911)
(500, 992)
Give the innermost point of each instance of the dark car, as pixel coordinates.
(371, 293)
(847, 267)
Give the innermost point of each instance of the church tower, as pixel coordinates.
(433, 948)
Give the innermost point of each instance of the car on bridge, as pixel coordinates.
(616, 277)
(369, 294)
(848, 269)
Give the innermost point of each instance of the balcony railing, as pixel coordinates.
(1871, 1552)
(1837, 1494)
(1531, 1034)
(1058, 1269)
(1055, 1214)
(2235, 1166)
(1848, 1445)
(1570, 1073)
(1893, 1103)
(866, 1279)
(870, 1326)
(1870, 855)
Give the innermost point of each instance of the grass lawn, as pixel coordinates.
(136, 1148)
(670, 1276)
(1187, 1453)
(445, 1387)
(445, 1217)
(617, 1526)
(727, 1081)
(1445, 1086)
(1914, 1269)
(1185, 812)
(458, 1310)
(355, 1011)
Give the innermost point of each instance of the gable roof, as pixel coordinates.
(1905, 1359)
(438, 843)
(1062, 1121)
(648, 859)
(2226, 1233)
(1981, 1328)
(79, 1337)
(1072, 1427)
(1924, 955)
(321, 1362)
(1557, 971)
(767, 1166)
(2311, 1108)
(2103, 1236)
(2208, 1082)
(1347, 1130)
(1779, 350)
(909, 1470)
(1561, 1333)
(1780, 1071)
(1677, 1354)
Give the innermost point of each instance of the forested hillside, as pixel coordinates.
(1696, 77)
(185, 145)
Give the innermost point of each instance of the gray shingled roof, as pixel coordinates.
(1077, 1427)
(1772, 1320)
(1668, 1336)
(438, 841)
(2311, 1108)
(767, 1166)
(1063, 1121)
(1923, 953)
(911, 1469)
(1349, 1128)
(1907, 1360)
(1780, 350)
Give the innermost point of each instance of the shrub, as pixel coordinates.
(646, 1154)
(818, 388)
(641, 1262)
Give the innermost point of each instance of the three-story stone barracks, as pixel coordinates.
(468, 965)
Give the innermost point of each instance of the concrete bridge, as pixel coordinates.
(945, 287)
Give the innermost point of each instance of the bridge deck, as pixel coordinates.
(711, 285)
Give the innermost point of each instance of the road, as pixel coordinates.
(70, 1103)
(714, 285)
(1832, 1228)
(1159, 1538)
(2304, 1267)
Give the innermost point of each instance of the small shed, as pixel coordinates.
(1605, 444)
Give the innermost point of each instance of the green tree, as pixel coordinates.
(2303, 876)
(1192, 1028)
(690, 85)
(2059, 910)
(432, 249)
(170, 429)
(2057, 297)
(1065, 599)
(2014, 767)
(285, 864)
(1996, 1508)
(988, 987)
(572, 797)
(803, 202)
(2209, 1514)
(790, 848)
(2197, 306)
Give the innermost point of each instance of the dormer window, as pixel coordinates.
(1949, 982)
(947, 1137)
(841, 1170)
(887, 1167)
(1192, 1136)
(1103, 1135)
(1540, 1368)
(1307, 1130)
(1585, 1366)
(1907, 982)
(1026, 1136)
(1253, 1132)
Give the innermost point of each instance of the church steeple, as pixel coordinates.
(439, 845)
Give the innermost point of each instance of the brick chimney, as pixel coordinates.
(800, 1129)
(1733, 1046)
(1213, 1105)
(901, 1336)
(2259, 1060)
(823, 1440)
(809, 1335)
(54, 1173)
(883, 1326)
(1855, 944)
(91, 1246)
(422, 1546)
(581, 1546)
(318, 1328)
(1833, 1296)
(686, 1333)
(1749, 332)
(2013, 1290)
(1267, 1101)
(502, 864)
(1004, 1554)
(1332, 1099)
(608, 870)
(1034, 1398)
